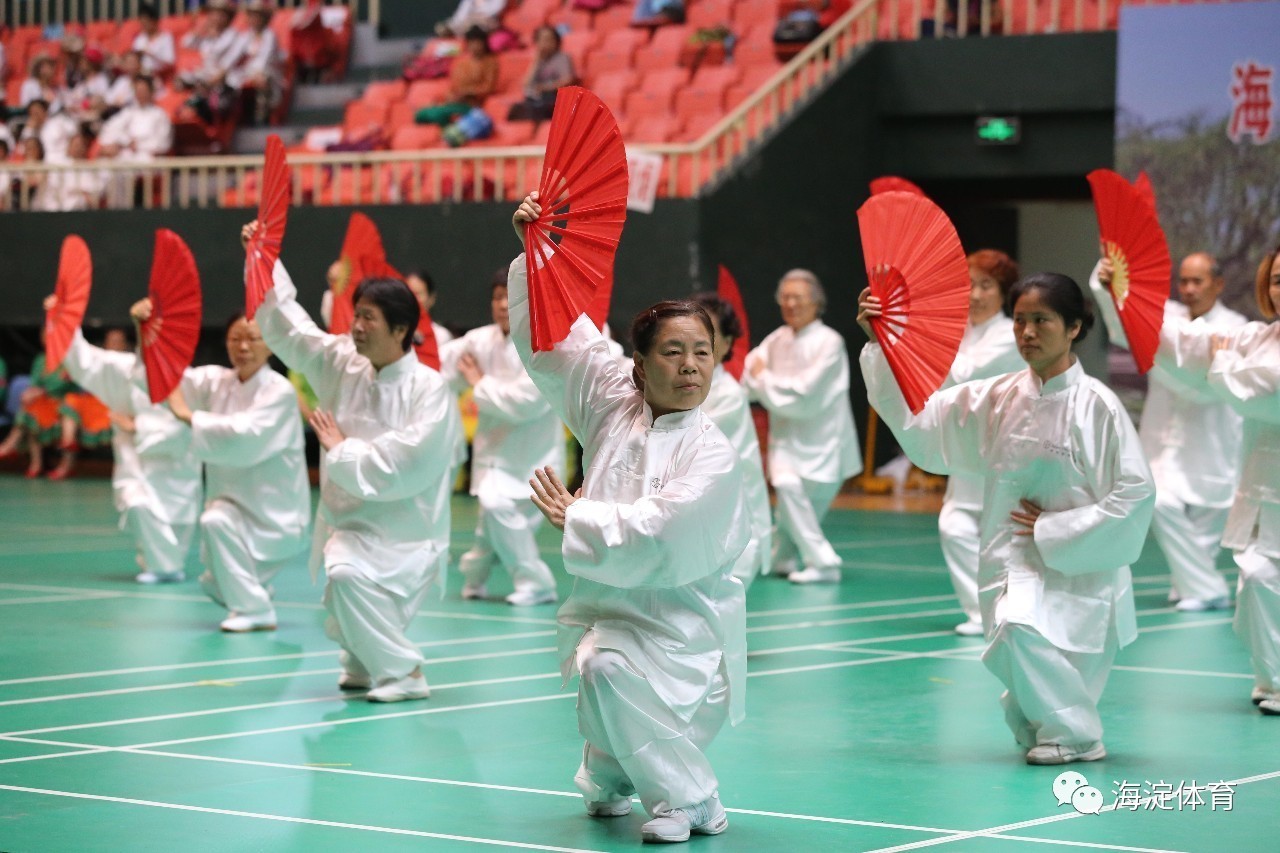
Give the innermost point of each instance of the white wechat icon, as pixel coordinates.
(1087, 800)
(1066, 784)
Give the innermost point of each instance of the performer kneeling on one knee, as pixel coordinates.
(655, 624)
(245, 429)
(382, 530)
(1067, 501)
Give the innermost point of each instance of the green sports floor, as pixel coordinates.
(128, 723)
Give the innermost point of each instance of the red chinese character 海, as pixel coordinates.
(1251, 92)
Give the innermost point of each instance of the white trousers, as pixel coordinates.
(233, 578)
(163, 546)
(958, 532)
(635, 743)
(1051, 695)
(797, 535)
(1257, 621)
(505, 533)
(1189, 536)
(369, 622)
(747, 567)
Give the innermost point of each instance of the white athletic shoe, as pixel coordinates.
(1058, 753)
(400, 689)
(706, 818)
(473, 592)
(1196, 605)
(239, 623)
(1270, 707)
(529, 597)
(815, 576)
(970, 628)
(353, 681)
(1261, 693)
(609, 808)
(149, 577)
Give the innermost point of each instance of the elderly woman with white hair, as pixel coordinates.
(800, 374)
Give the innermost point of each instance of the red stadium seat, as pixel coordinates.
(656, 91)
(415, 137)
(426, 93)
(709, 13)
(664, 50)
(513, 67)
(612, 87)
(749, 13)
(616, 51)
(384, 92)
(360, 116)
(652, 128)
(706, 93)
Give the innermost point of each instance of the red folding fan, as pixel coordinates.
(425, 345)
(75, 277)
(583, 193)
(1131, 238)
(1146, 189)
(363, 256)
(727, 290)
(273, 210)
(917, 267)
(892, 183)
(169, 335)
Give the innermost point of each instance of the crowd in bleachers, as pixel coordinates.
(151, 86)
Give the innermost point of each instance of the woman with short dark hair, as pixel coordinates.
(655, 624)
(1067, 502)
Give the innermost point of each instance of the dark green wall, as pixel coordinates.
(407, 18)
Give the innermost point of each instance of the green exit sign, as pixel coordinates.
(998, 130)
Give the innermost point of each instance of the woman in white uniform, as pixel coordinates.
(516, 434)
(245, 429)
(987, 349)
(729, 410)
(800, 373)
(156, 483)
(1067, 501)
(655, 624)
(382, 531)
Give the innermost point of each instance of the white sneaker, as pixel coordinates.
(239, 623)
(609, 808)
(1173, 597)
(706, 818)
(1261, 694)
(784, 569)
(400, 689)
(353, 681)
(472, 592)
(1058, 753)
(970, 628)
(529, 597)
(815, 576)
(1270, 707)
(149, 577)
(1196, 605)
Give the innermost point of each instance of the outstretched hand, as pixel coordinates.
(50, 302)
(551, 497)
(140, 311)
(1027, 518)
(178, 405)
(528, 211)
(248, 232)
(1217, 344)
(869, 308)
(326, 429)
(1106, 271)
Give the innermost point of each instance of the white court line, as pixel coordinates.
(387, 830)
(232, 681)
(1158, 671)
(457, 641)
(1090, 844)
(891, 602)
(59, 599)
(828, 623)
(885, 543)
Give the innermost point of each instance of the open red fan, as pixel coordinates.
(727, 290)
(892, 183)
(273, 210)
(1131, 238)
(425, 345)
(916, 266)
(1145, 189)
(363, 256)
(170, 334)
(75, 277)
(583, 193)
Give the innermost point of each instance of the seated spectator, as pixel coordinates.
(313, 47)
(472, 13)
(260, 74)
(154, 46)
(220, 48)
(656, 13)
(72, 47)
(42, 85)
(140, 132)
(53, 131)
(473, 77)
(120, 94)
(86, 100)
(551, 69)
(74, 189)
(28, 187)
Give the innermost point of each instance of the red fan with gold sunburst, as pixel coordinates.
(583, 193)
(1134, 243)
(917, 268)
(892, 183)
(727, 289)
(169, 336)
(273, 211)
(75, 278)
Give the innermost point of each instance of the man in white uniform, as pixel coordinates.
(382, 531)
(1191, 438)
(987, 349)
(800, 373)
(516, 434)
(245, 430)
